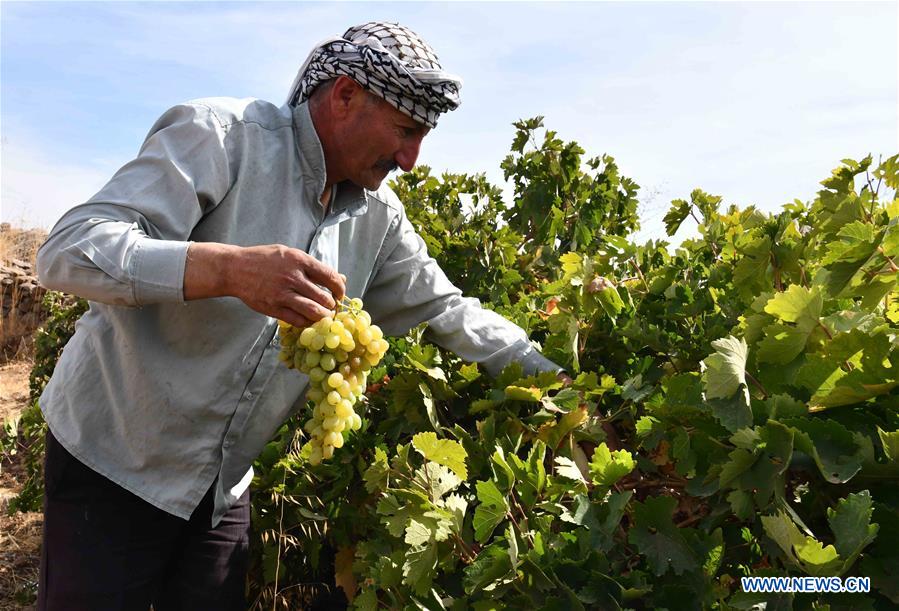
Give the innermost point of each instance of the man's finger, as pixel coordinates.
(326, 276)
(289, 316)
(316, 293)
(309, 309)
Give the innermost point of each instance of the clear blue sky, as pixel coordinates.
(755, 101)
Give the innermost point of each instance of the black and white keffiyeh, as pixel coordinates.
(388, 60)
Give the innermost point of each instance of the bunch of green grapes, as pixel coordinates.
(336, 352)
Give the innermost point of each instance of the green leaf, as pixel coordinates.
(418, 569)
(734, 413)
(418, 533)
(492, 568)
(753, 266)
(367, 600)
(851, 524)
(519, 393)
(571, 263)
(376, 474)
(509, 375)
(552, 433)
(816, 557)
(567, 468)
(490, 512)
(457, 506)
(657, 538)
(797, 305)
(425, 358)
(890, 443)
(830, 444)
(679, 210)
(395, 517)
(530, 474)
(610, 301)
(740, 462)
(607, 467)
(445, 452)
(850, 521)
(725, 370)
(742, 504)
(782, 344)
(503, 475)
(437, 480)
(784, 406)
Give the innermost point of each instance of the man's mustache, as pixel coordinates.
(386, 165)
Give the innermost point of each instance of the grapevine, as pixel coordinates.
(336, 352)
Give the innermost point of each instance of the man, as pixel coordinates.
(234, 214)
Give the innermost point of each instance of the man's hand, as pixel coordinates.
(285, 283)
(565, 379)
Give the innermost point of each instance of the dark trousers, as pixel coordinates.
(106, 549)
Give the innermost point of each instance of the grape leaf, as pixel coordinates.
(567, 468)
(376, 474)
(733, 413)
(490, 512)
(571, 264)
(519, 393)
(607, 467)
(503, 475)
(816, 558)
(785, 406)
(725, 369)
(797, 305)
(418, 533)
(656, 537)
(890, 443)
(552, 433)
(679, 210)
(418, 568)
(445, 452)
(456, 506)
(830, 444)
(530, 474)
(437, 480)
(395, 516)
(491, 568)
(851, 524)
(782, 344)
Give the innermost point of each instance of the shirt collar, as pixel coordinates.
(350, 197)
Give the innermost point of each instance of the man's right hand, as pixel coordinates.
(285, 283)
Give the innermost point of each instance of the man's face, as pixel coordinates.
(375, 139)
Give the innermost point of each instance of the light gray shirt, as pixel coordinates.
(165, 397)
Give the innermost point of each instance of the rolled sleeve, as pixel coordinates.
(409, 288)
(128, 244)
(159, 270)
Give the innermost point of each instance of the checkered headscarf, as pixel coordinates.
(388, 60)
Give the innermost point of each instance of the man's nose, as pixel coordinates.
(408, 154)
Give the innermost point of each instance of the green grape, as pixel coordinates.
(335, 380)
(327, 361)
(306, 336)
(336, 352)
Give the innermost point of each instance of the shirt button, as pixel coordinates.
(248, 395)
(227, 444)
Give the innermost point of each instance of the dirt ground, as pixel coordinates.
(20, 533)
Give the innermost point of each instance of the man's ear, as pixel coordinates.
(345, 95)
